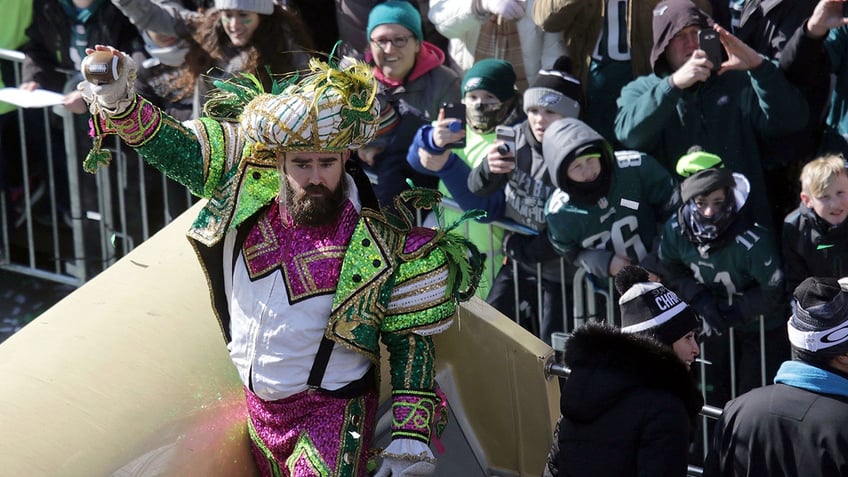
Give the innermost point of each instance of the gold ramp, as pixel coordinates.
(127, 376)
(505, 403)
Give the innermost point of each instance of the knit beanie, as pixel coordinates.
(556, 90)
(704, 173)
(651, 308)
(262, 7)
(400, 12)
(493, 75)
(819, 320)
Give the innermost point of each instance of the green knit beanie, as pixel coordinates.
(495, 76)
(400, 12)
(696, 160)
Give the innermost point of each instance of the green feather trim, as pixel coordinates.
(466, 265)
(465, 259)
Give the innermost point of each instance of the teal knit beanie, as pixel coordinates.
(495, 76)
(395, 11)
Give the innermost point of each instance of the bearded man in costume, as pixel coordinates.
(305, 274)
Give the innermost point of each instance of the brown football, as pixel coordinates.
(102, 67)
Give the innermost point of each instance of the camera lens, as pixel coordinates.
(503, 149)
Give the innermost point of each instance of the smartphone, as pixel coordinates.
(455, 111)
(709, 42)
(505, 135)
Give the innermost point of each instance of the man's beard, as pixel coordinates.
(305, 208)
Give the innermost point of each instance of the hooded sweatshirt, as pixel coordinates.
(724, 115)
(624, 220)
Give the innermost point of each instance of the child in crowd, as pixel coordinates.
(723, 263)
(609, 205)
(815, 239)
(524, 179)
(490, 99)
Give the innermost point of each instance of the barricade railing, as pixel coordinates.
(98, 219)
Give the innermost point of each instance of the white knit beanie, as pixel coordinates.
(262, 7)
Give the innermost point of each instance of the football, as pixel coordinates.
(102, 67)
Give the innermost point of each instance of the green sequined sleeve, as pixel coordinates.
(194, 153)
(412, 360)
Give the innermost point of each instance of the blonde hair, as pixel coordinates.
(819, 173)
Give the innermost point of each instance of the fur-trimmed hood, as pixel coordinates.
(606, 364)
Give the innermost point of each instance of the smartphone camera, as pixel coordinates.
(455, 111)
(709, 42)
(506, 136)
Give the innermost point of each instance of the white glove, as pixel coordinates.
(508, 9)
(406, 458)
(112, 98)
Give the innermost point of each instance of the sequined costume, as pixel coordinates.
(284, 291)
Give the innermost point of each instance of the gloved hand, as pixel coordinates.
(111, 98)
(732, 314)
(705, 305)
(508, 9)
(406, 458)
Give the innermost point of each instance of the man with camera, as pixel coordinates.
(724, 105)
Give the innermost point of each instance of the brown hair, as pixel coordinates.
(273, 45)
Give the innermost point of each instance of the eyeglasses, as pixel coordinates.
(397, 42)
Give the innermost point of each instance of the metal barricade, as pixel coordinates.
(103, 217)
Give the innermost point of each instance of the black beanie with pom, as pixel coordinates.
(650, 308)
(556, 90)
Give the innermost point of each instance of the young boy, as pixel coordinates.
(490, 99)
(727, 267)
(815, 240)
(606, 212)
(521, 175)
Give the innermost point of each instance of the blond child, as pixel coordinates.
(814, 237)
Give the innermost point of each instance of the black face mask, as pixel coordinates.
(588, 193)
(704, 229)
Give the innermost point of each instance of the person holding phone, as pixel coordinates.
(690, 100)
(516, 167)
(490, 99)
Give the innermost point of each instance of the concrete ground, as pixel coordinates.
(23, 298)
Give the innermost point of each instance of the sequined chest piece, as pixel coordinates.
(310, 258)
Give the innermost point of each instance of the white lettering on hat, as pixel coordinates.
(817, 340)
(657, 320)
(666, 300)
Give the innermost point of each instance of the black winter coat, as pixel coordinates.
(780, 431)
(812, 248)
(628, 406)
